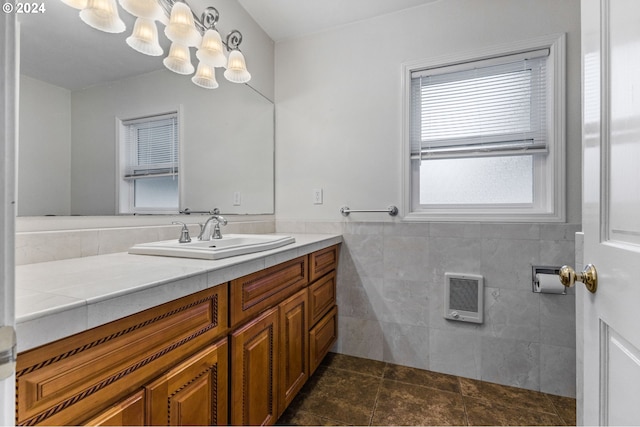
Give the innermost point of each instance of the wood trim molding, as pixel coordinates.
(110, 337)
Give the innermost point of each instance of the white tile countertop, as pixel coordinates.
(60, 298)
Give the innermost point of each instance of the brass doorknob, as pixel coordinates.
(589, 277)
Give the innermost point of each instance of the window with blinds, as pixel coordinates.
(150, 164)
(486, 108)
(485, 137)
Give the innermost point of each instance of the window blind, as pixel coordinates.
(152, 146)
(493, 107)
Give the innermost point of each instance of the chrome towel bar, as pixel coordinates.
(391, 210)
(187, 211)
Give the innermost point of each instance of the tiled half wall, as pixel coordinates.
(390, 294)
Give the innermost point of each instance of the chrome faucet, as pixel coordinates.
(207, 233)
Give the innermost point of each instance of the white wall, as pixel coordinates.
(44, 164)
(339, 127)
(338, 96)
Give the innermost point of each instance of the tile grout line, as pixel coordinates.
(555, 408)
(464, 402)
(375, 401)
(352, 371)
(420, 385)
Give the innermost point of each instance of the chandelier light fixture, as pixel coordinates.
(183, 29)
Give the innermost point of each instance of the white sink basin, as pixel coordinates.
(230, 245)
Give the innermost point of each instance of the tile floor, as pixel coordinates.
(348, 390)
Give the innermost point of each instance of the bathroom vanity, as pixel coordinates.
(235, 352)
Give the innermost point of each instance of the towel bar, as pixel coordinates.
(391, 210)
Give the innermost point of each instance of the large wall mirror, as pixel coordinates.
(76, 83)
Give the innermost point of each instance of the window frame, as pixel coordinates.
(125, 189)
(549, 175)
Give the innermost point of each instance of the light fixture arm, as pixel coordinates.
(210, 18)
(234, 38)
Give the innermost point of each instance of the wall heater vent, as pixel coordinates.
(463, 297)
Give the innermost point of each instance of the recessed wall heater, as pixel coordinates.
(464, 297)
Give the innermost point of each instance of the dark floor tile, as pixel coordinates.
(354, 364)
(302, 418)
(505, 395)
(408, 404)
(483, 413)
(566, 408)
(421, 377)
(344, 396)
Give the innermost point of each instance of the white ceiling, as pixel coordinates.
(57, 47)
(283, 19)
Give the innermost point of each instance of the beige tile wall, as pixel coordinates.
(390, 292)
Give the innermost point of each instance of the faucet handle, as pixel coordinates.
(184, 233)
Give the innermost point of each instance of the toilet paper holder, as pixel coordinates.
(542, 269)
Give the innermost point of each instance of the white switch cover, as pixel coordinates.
(317, 196)
(237, 198)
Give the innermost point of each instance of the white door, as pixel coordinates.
(8, 126)
(611, 210)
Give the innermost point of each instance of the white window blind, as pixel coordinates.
(494, 107)
(151, 144)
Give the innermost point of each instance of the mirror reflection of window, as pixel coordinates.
(149, 159)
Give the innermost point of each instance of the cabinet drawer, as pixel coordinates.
(322, 337)
(255, 292)
(322, 296)
(323, 261)
(73, 379)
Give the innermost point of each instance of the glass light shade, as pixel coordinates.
(148, 9)
(76, 4)
(205, 76)
(179, 59)
(236, 71)
(211, 50)
(181, 28)
(144, 38)
(103, 15)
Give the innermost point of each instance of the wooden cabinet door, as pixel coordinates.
(129, 412)
(193, 392)
(294, 359)
(321, 337)
(254, 371)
